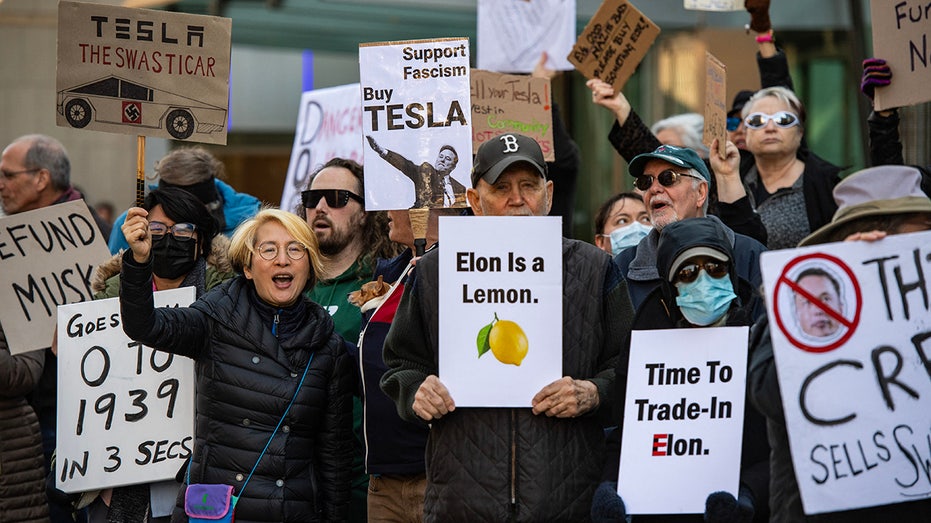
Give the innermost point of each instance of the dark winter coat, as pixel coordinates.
(22, 471)
(246, 376)
(506, 464)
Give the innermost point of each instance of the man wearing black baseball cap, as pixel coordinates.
(675, 182)
(472, 451)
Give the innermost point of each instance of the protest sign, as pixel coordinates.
(715, 103)
(714, 5)
(143, 72)
(416, 110)
(46, 259)
(329, 125)
(500, 338)
(683, 418)
(513, 34)
(851, 334)
(613, 43)
(505, 103)
(900, 37)
(125, 411)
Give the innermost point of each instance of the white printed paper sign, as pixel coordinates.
(851, 331)
(512, 34)
(683, 418)
(416, 113)
(46, 259)
(714, 5)
(500, 291)
(329, 125)
(125, 411)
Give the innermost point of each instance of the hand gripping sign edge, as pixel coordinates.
(851, 324)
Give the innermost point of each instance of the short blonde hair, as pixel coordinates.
(242, 245)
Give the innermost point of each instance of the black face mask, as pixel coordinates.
(173, 258)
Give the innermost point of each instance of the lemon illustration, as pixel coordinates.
(505, 339)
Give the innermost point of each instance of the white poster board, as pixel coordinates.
(714, 5)
(46, 259)
(851, 333)
(512, 34)
(683, 418)
(143, 72)
(329, 125)
(507, 268)
(416, 102)
(125, 411)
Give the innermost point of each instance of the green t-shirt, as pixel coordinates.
(333, 295)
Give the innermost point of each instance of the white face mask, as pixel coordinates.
(628, 236)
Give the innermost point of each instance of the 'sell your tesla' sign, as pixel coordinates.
(143, 72)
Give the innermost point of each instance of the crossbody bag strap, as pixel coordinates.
(280, 421)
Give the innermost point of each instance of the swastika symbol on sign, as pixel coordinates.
(132, 112)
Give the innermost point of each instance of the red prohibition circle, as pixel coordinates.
(853, 322)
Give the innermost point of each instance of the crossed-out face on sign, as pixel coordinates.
(817, 301)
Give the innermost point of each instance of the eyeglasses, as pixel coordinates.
(783, 119)
(269, 250)
(335, 198)
(181, 231)
(733, 122)
(8, 175)
(667, 178)
(689, 272)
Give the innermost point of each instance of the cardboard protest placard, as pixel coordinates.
(143, 72)
(613, 43)
(46, 259)
(900, 37)
(683, 418)
(715, 103)
(506, 103)
(714, 5)
(329, 125)
(125, 411)
(512, 34)
(851, 333)
(500, 308)
(416, 121)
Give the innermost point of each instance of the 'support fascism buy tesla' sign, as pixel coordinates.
(144, 72)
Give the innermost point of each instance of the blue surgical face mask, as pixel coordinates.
(630, 235)
(705, 300)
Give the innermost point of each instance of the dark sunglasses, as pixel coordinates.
(667, 178)
(783, 119)
(733, 122)
(689, 272)
(335, 198)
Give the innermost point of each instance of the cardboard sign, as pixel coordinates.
(851, 332)
(900, 37)
(46, 259)
(615, 40)
(504, 103)
(329, 125)
(715, 103)
(683, 418)
(125, 411)
(500, 308)
(416, 123)
(512, 34)
(714, 5)
(143, 72)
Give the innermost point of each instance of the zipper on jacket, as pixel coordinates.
(275, 324)
(514, 464)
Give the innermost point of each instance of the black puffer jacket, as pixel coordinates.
(245, 378)
(497, 464)
(22, 473)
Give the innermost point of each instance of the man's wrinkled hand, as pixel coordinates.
(432, 400)
(566, 398)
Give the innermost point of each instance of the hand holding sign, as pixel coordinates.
(603, 94)
(566, 398)
(136, 231)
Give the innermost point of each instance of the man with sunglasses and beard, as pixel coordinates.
(675, 182)
(350, 241)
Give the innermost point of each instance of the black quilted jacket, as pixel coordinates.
(508, 464)
(245, 379)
